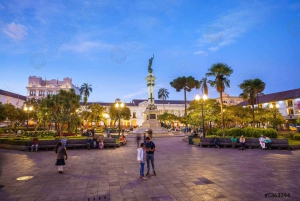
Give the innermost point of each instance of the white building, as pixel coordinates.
(229, 100)
(288, 103)
(39, 88)
(12, 98)
(138, 106)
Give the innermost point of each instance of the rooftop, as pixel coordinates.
(13, 95)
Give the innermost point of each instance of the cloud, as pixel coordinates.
(201, 52)
(87, 46)
(142, 91)
(15, 31)
(213, 49)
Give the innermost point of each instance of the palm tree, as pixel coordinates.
(85, 90)
(203, 85)
(220, 72)
(163, 94)
(187, 84)
(251, 89)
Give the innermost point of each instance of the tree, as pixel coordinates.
(251, 89)
(85, 90)
(167, 118)
(220, 72)
(96, 113)
(163, 94)
(203, 85)
(2, 114)
(11, 113)
(298, 120)
(187, 84)
(114, 113)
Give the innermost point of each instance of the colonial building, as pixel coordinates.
(138, 106)
(12, 98)
(229, 100)
(39, 88)
(288, 103)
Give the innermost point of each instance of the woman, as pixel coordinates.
(233, 140)
(242, 141)
(61, 154)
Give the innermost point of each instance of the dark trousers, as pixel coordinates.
(142, 165)
(268, 145)
(216, 144)
(243, 144)
(150, 157)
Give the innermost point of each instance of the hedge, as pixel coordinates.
(296, 137)
(246, 132)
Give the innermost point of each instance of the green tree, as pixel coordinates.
(220, 72)
(85, 90)
(251, 89)
(2, 114)
(11, 113)
(298, 120)
(187, 84)
(114, 114)
(96, 113)
(163, 94)
(203, 85)
(167, 118)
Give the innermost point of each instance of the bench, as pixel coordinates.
(250, 143)
(110, 142)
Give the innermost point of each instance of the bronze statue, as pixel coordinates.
(150, 70)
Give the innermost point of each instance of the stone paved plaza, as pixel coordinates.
(184, 172)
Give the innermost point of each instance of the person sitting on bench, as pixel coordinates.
(268, 142)
(242, 141)
(88, 142)
(216, 141)
(262, 142)
(35, 143)
(122, 139)
(233, 140)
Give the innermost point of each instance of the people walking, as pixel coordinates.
(61, 155)
(150, 149)
(141, 157)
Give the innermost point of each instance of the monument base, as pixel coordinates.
(151, 122)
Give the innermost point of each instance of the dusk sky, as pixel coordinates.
(107, 43)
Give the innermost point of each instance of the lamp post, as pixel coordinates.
(119, 105)
(201, 101)
(274, 108)
(27, 110)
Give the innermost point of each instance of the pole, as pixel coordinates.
(119, 121)
(203, 129)
(27, 119)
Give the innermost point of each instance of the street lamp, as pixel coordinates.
(274, 108)
(201, 101)
(27, 110)
(119, 105)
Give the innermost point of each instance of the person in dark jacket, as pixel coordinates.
(61, 155)
(34, 143)
(216, 142)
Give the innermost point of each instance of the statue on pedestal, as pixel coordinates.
(150, 70)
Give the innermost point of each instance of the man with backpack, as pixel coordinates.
(150, 149)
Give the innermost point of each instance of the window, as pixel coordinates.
(134, 115)
(32, 93)
(50, 93)
(289, 103)
(41, 93)
(225, 102)
(290, 111)
(231, 101)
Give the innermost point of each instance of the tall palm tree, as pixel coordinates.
(85, 90)
(251, 89)
(187, 84)
(163, 94)
(220, 72)
(203, 85)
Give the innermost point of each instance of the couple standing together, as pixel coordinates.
(146, 154)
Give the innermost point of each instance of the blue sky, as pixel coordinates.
(107, 43)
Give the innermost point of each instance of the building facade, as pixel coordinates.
(288, 103)
(229, 100)
(39, 88)
(7, 97)
(138, 106)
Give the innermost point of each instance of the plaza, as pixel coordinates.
(184, 172)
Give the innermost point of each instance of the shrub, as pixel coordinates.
(296, 137)
(246, 132)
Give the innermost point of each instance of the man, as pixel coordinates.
(35, 143)
(216, 142)
(88, 142)
(150, 149)
(268, 142)
(262, 142)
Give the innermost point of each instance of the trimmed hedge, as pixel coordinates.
(296, 137)
(246, 132)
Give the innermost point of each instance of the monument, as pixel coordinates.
(151, 112)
